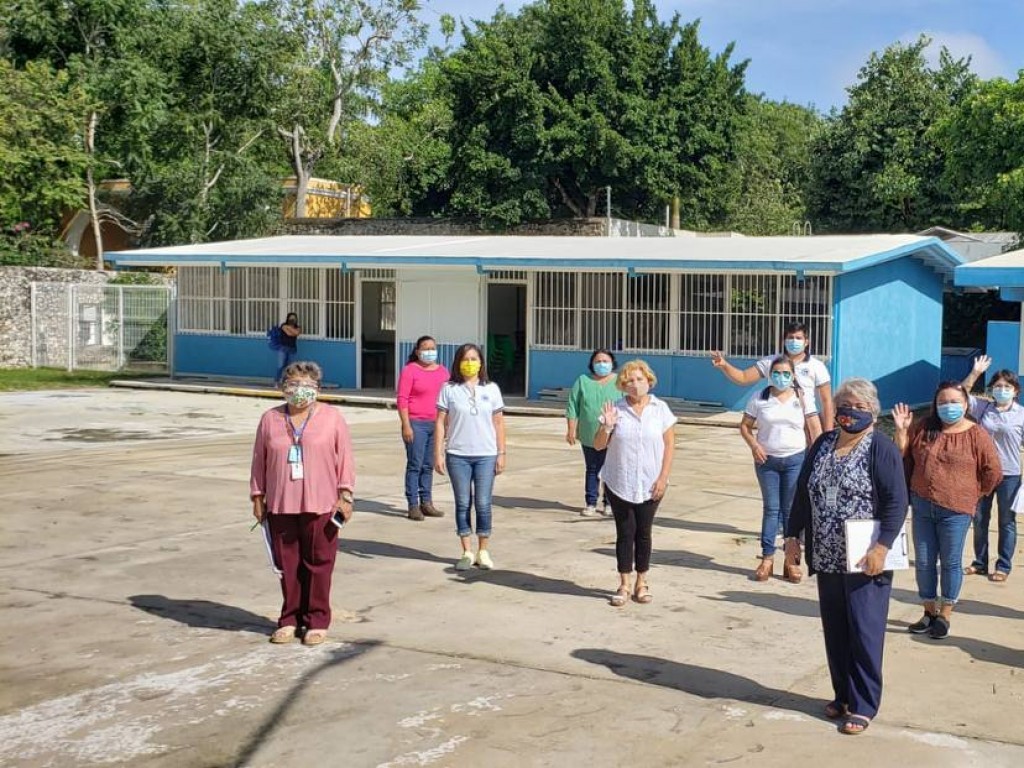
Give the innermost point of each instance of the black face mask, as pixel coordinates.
(852, 420)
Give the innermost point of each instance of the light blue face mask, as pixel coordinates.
(795, 346)
(950, 413)
(1002, 394)
(602, 368)
(782, 379)
(428, 355)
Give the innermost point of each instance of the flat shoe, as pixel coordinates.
(314, 636)
(854, 725)
(998, 576)
(620, 598)
(283, 635)
(643, 595)
(834, 710)
(973, 570)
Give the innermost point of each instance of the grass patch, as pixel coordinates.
(27, 379)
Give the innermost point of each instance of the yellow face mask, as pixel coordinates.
(469, 368)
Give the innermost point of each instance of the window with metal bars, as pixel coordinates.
(554, 315)
(304, 297)
(339, 305)
(648, 313)
(202, 300)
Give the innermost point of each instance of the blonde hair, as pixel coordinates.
(303, 369)
(629, 368)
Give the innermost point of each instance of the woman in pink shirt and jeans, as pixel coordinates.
(418, 386)
(303, 472)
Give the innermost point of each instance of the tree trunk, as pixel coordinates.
(94, 213)
(675, 212)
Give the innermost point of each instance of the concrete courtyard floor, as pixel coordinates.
(136, 606)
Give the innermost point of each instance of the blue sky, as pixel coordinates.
(809, 51)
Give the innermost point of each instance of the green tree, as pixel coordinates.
(984, 141)
(773, 167)
(568, 97)
(344, 50)
(877, 165)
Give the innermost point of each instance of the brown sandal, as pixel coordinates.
(998, 577)
(792, 573)
(765, 569)
(314, 636)
(283, 635)
(620, 598)
(643, 595)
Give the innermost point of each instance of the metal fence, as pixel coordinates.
(101, 327)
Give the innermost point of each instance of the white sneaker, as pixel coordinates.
(588, 511)
(466, 561)
(606, 510)
(483, 559)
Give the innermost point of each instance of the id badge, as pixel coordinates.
(294, 455)
(296, 471)
(832, 497)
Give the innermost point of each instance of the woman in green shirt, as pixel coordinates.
(589, 394)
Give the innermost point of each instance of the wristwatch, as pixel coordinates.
(346, 496)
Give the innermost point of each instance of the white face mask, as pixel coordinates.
(638, 388)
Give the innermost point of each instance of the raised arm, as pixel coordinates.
(745, 377)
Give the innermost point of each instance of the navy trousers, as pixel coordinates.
(854, 609)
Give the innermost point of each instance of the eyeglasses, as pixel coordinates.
(292, 386)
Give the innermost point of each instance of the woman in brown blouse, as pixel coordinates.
(951, 463)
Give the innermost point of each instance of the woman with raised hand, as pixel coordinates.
(1003, 418)
(469, 445)
(637, 431)
(419, 384)
(952, 464)
(582, 413)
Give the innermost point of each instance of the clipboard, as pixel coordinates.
(265, 528)
(862, 534)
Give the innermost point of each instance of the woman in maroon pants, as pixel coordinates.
(303, 472)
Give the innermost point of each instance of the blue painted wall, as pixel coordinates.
(250, 357)
(888, 328)
(1003, 347)
(688, 377)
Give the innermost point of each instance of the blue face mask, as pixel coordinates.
(782, 379)
(428, 355)
(795, 346)
(853, 420)
(950, 413)
(602, 368)
(1002, 395)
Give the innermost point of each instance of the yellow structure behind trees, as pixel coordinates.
(326, 199)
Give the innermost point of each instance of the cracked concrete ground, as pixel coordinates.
(136, 606)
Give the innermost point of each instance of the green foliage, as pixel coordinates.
(878, 165)
(984, 140)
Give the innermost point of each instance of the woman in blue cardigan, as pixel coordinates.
(851, 473)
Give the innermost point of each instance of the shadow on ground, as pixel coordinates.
(368, 550)
(203, 614)
(704, 682)
(530, 582)
(970, 607)
(263, 732)
(686, 559)
(790, 604)
(980, 650)
(521, 502)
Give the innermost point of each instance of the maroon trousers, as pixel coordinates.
(305, 547)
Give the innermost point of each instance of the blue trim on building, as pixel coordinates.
(989, 277)
(1003, 346)
(251, 357)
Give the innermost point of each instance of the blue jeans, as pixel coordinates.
(777, 478)
(285, 355)
(1007, 541)
(594, 460)
(419, 462)
(472, 481)
(939, 537)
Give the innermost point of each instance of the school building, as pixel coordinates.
(1005, 272)
(539, 305)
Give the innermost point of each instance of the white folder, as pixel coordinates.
(862, 534)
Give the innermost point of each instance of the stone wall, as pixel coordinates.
(425, 227)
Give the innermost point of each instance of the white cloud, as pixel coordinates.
(985, 60)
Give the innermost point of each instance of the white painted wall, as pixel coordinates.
(445, 304)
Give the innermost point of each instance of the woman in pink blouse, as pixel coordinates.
(303, 473)
(418, 387)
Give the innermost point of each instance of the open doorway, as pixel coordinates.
(377, 339)
(506, 337)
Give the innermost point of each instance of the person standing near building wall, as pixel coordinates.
(582, 413)
(812, 374)
(1003, 418)
(287, 339)
(419, 384)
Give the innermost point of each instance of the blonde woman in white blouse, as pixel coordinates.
(637, 432)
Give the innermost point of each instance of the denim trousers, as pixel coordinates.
(777, 478)
(472, 481)
(285, 355)
(594, 460)
(939, 538)
(1007, 526)
(419, 462)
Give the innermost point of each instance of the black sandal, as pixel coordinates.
(854, 725)
(834, 710)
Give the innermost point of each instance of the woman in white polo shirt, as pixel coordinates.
(470, 420)
(773, 427)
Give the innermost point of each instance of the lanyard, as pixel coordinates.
(295, 453)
